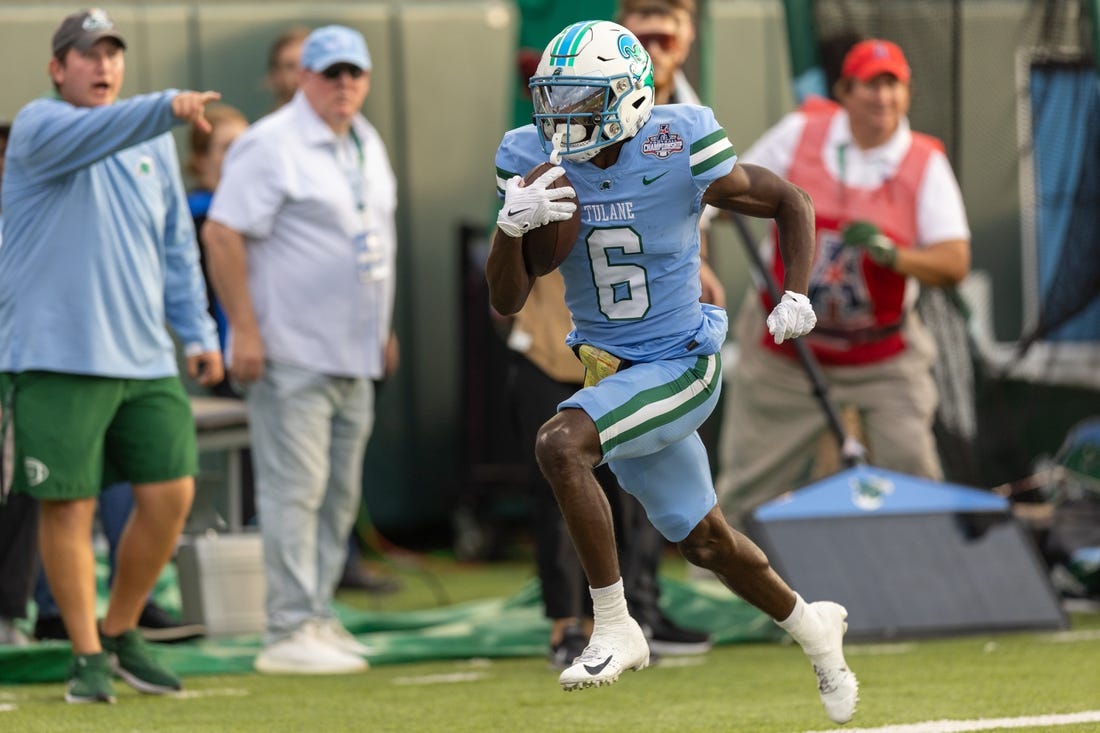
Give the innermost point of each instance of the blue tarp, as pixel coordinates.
(865, 490)
(1065, 108)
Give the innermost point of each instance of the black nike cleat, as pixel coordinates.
(610, 651)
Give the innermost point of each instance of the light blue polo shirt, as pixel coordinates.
(99, 248)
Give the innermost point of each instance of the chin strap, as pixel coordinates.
(555, 156)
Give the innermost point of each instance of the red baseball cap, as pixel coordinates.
(868, 59)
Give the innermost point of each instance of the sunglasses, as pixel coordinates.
(335, 71)
(664, 40)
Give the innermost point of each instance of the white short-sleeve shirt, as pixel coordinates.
(285, 188)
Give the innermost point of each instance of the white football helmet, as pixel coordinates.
(593, 87)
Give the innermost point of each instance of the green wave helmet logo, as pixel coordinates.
(868, 492)
(629, 47)
(640, 66)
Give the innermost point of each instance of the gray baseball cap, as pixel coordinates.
(82, 30)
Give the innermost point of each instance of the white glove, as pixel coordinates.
(534, 205)
(792, 317)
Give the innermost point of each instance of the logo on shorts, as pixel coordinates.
(36, 471)
(145, 166)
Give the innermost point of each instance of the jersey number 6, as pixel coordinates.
(622, 287)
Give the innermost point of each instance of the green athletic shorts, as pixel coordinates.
(75, 434)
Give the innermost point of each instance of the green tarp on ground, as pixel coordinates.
(502, 627)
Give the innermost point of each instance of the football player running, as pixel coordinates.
(641, 175)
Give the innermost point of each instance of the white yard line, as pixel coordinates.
(6, 708)
(965, 726)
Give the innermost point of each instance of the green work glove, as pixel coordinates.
(878, 246)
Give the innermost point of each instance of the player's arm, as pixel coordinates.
(756, 191)
(509, 281)
(526, 207)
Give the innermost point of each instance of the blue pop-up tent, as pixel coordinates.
(908, 557)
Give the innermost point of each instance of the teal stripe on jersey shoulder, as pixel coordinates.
(503, 175)
(678, 391)
(565, 49)
(705, 165)
(707, 141)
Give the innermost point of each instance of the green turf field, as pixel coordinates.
(760, 687)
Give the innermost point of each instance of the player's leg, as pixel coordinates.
(568, 448)
(533, 396)
(817, 627)
(632, 413)
(675, 487)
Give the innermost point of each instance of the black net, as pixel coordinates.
(928, 32)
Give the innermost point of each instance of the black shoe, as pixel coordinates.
(358, 577)
(573, 641)
(155, 624)
(667, 638)
(50, 627)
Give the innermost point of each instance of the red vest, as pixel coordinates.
(859, 305)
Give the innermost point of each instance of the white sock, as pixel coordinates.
(803, 626)
(792, 621)
(609, 604)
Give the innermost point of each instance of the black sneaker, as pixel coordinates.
(669, 639)
(156, 624)
(569, 648)
(89, 679)
(359, 577)
(50, 627)
(133, 663)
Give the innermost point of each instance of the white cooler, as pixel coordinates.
(221, 579)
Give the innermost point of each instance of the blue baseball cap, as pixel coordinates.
(335, 44)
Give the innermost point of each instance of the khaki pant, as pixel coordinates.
(772, 423)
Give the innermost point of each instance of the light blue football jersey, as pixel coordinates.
(632, 279)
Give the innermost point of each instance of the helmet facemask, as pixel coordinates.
(578, 114)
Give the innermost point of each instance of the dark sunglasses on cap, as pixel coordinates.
(664, 40)
(337, 70)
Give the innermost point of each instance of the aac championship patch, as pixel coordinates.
(663, 144)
